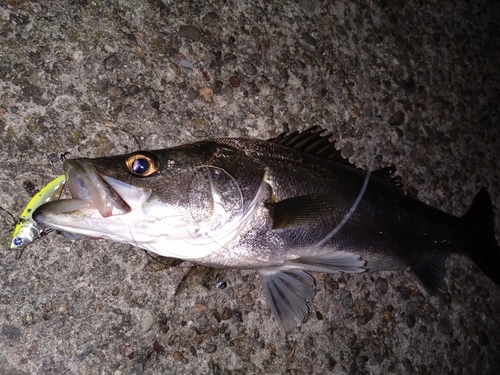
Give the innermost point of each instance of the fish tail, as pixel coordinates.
(481, 245)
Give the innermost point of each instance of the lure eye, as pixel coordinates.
(142, 164)
(18, 241)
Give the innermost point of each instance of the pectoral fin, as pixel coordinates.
(71, 236)
(287, 293)
(303, 210)
(289, 288)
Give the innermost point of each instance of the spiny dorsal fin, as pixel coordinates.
(316, 142)
(313, 141)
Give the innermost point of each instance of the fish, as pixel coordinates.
(27, 230)
(287, 207)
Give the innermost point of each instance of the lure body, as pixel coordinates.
(27, 229)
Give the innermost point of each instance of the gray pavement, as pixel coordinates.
(412, 84)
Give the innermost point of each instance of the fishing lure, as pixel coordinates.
(27, 229)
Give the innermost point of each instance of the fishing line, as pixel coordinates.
(127, 132)
(12, 227)
(130, 187)
(8, 213)
(110, 124)
(361, 193)
(354, 206)
(156, 257)
(139, 148)
(64, 156)
(230, 229)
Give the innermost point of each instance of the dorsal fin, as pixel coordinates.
(313, 141)
(316, 141)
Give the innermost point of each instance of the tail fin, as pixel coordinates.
(482, 246)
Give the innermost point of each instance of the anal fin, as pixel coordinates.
(430, 274)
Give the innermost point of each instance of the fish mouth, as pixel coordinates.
(94, 196)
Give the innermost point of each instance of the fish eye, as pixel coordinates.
(142, 164)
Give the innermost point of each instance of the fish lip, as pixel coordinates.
(100, 206)
(86, 183)
(92, 193)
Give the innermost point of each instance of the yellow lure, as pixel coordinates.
(27, 229)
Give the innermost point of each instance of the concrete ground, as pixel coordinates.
(413, 84)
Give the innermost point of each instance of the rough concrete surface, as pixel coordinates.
(411, 84)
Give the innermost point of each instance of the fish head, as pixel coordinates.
(167, 201)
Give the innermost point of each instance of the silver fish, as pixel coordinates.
(285, 207)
